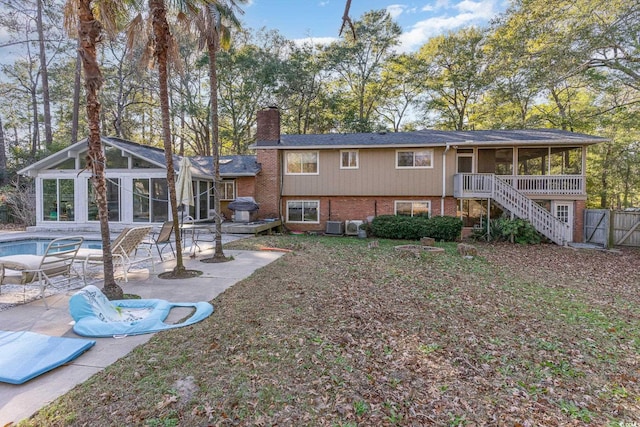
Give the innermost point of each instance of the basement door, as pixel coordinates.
(564, 212)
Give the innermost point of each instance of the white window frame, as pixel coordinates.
(354, 153)
(428, 151)
(395, 205)
(225, 186)
(286, 165)
(317, 202)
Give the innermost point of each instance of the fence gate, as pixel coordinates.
(626, 228)
(596, 226)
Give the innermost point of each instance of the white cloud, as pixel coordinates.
(461, 14)
(396, 10)
(323, 3)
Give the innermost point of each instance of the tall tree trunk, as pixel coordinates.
(161, 36)
(35, 142)
(89, 33)
(48, 135)
(75, 119)
(4, 178)
(212, 47)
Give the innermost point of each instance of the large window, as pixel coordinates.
(58, 200)
(412, 207)
(414, 159)
(113, 200)
(303, 211)
(150, 200)
(349, 159)
(302, 163)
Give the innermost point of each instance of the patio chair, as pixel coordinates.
(57, 260)
(163, 239)
(123, 251)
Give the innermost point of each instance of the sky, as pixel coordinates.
(321, 19)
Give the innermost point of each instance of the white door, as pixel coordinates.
(564, 212)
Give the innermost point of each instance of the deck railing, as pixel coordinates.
(552, 185)
(515, 201)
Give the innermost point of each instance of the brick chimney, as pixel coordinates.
(268, 155)
(268, 129)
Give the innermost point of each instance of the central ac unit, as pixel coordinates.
(352, 226)
(335, 227)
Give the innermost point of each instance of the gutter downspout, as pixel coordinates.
(444, 178)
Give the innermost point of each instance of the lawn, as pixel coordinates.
(338, 333)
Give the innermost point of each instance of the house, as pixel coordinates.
(137, 189)
(312, 180)
(315, 182)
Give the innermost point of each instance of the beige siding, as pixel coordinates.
(377, 175)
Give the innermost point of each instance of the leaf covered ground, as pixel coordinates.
(338, 333)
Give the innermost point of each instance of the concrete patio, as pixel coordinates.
(21, 401)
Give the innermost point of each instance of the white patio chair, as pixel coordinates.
(26, 269)
(123, 251)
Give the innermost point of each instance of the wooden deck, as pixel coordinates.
(251, 227)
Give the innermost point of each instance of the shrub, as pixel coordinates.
(509, 230)
(414, 228)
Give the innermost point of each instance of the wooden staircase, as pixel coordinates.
(516, 202)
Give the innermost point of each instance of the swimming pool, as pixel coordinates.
(36, 246)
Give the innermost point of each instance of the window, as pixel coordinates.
(150, 200)
(412, 208)
(113, 200)
(228, 190)
(303, 211)
(349, 159)
(302, 162)
(414, 159)
(58, 199)
(115, 159)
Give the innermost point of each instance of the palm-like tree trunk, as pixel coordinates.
(212, 47)
(89, 34)
(161, 36)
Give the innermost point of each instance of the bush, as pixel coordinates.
(510, 230)
(414, 228)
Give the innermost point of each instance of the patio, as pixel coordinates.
(18, 402)
(11, 295)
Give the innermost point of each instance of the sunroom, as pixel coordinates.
(137, 191)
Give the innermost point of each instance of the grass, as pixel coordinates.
(339, 334)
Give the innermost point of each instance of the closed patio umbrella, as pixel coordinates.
(184, 190)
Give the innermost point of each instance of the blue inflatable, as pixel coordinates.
(96, 316)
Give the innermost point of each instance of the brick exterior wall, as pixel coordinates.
(359, 208)
(267, 184)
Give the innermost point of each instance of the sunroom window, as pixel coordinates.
(58, 199)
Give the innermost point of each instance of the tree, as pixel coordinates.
(358, 59)
(164, 46)
(456, 75)
(217, 35)
(89, 32)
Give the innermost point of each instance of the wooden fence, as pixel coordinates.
(612, 228)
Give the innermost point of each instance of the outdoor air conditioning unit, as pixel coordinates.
(352, 226)
(335, 228)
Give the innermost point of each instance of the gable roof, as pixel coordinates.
(202, 166)
(432, 138)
